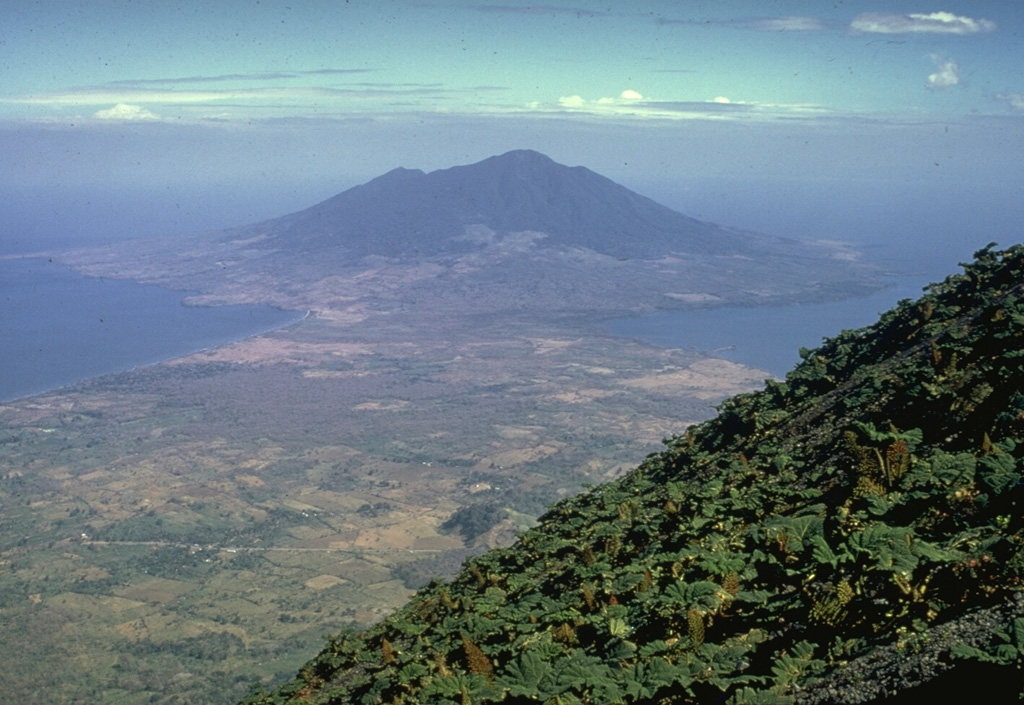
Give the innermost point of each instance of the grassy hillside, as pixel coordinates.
(847, 533)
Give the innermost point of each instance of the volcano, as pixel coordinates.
(407, 213)
(512, 233)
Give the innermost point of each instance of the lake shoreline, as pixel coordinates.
(70, 385)
(766, 338)
(61, 327)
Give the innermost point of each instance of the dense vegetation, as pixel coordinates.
(848, 532)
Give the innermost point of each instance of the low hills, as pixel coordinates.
(843, 536)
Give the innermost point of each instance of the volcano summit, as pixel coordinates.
(511, 233)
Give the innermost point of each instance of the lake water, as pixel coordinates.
(923, 228)
(58, 327)
(768, 338)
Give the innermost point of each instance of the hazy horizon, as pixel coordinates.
(928, 229)
(159, 118)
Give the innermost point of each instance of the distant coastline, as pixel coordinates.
(767, 338)
(60, 328)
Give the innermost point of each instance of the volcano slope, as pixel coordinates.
(513, 235)
(844, 535)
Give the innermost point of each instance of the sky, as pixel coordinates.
(242, 110)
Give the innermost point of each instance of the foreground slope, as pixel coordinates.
(839, 536)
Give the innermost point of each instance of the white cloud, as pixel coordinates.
(627, 99)
(631, 104)
(935, 22)
(273, 96)
(1014, 100)
(946, 75)
(124, 111)
(625, 96)
(788, 24)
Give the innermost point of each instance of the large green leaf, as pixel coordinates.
(523, 677)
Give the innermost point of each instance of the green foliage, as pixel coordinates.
(796, 666)
(760, 551)
(1006, 650)
(473, 520)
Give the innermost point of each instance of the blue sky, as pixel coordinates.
(197, 61)
(257, 61)
(306, 98)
